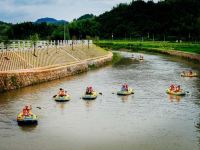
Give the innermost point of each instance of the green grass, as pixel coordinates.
(150, 45)
(116, 58)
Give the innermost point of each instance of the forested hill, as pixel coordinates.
(165, 20)
(175, 18)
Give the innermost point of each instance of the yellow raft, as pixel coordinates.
(129, 92)
(90, 96)
(189, 75)
(181, 93)
(27, 120)
(62, 98)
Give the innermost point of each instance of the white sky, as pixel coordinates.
(30, 10)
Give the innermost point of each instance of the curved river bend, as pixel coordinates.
(148, 120)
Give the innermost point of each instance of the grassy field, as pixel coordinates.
(151, 45)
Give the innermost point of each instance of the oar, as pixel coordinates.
(39, 107)
(100, 93)
(187, 92)
(54, 96)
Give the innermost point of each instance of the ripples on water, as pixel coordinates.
(149, 119)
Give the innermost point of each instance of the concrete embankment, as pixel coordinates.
(10, 80)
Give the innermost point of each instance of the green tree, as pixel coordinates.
(88, 39)
(73, 39)
(34, 39)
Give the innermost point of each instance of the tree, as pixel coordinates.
(88, 39)
(73, 39)
(67, 36)
(34, 39)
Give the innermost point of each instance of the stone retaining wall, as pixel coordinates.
(21, 78)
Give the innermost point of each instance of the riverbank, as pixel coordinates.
(185, 50)
(14, 79)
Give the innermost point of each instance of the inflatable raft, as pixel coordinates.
(129, 92)
(62, 98)
(189, 75)
(181, 93)
(90, 96)
(27, 120)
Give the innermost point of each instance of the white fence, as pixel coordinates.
(27, 45)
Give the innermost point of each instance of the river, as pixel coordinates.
(148, 120)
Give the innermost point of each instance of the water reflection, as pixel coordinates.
(61, 105)
(124, 98)
(174, 98)
(89, 103)
(29, 128)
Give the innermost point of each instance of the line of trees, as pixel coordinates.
(165, 20)
(175, 19)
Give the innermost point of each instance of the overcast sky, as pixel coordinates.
(14, 11)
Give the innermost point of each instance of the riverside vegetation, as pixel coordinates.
(150, 45)
(168, 20)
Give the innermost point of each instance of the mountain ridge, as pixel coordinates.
(49, 20)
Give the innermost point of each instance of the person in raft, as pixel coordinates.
(141, 57)
(175, 88)
(172, 87)
(190, 73)
(124, 87)
(26, 110)
(62, 92)
(89, 90)
(178, 88)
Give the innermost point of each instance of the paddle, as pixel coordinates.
(100, 93)
(187, 92)
(54, 96)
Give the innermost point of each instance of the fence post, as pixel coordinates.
(54, 43)
(13, 46)
(18, 45)
(1, 46)
(23, 45)
(58, 43)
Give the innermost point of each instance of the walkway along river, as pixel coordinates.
(149, 119)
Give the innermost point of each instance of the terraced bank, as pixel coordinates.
(21, 68)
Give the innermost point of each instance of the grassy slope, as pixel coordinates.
(137, 45)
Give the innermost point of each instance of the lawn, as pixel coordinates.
(151, 45)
